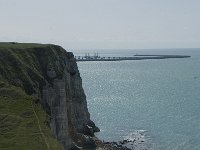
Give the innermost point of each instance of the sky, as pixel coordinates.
(102, 24)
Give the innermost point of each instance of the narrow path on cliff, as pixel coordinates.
(45, 140)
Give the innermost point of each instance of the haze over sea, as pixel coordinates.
(161, 97)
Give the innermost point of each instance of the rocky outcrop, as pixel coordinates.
(50, 73)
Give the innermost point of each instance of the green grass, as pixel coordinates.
(25, 65)
(21, 45)
(19, 127)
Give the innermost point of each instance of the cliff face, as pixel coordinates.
(50, 75)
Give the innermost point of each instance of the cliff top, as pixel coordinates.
(22, 45)
(22, 64)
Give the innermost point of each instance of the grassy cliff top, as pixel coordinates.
(22, 45)
(25, 65)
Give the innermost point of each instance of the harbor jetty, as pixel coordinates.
(96, 57)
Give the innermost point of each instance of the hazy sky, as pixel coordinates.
(82, 24)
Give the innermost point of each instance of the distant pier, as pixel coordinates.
(96, 57)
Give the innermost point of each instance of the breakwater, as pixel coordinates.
(135, 57)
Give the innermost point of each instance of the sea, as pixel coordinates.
(156, 99)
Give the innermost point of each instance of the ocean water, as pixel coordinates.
(160, 97)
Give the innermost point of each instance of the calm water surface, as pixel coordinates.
(161, 97)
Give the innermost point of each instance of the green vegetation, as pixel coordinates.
(25, 65)
(23, 122)
(21, 45)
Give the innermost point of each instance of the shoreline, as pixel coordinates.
(136, 140)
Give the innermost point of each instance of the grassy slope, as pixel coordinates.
(23, 65)
(22, 120)
(21, 45)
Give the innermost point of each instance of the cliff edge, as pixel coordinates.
(42, 102)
